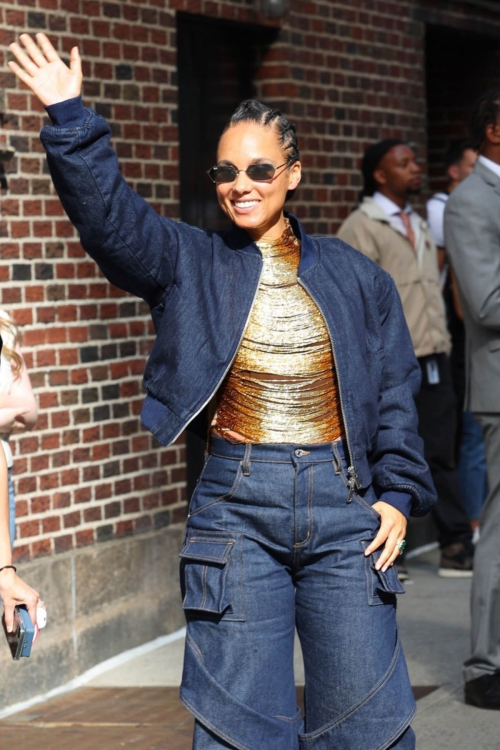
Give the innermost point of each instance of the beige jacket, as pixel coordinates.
(415, 272)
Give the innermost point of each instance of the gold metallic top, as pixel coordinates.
(282, 386)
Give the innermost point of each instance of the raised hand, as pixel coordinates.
(43, 71)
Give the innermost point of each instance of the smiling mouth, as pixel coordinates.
(245, 204)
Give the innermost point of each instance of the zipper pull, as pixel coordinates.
(353, 483)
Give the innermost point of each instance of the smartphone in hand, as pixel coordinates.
(21, 638)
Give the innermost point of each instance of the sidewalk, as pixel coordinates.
(136, 705)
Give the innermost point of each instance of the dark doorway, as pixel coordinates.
(217, 66)
(460, 65)
(217, 63)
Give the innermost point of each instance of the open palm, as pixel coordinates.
(43, 71)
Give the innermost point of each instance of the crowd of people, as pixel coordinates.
(447, 271)
(337, 384)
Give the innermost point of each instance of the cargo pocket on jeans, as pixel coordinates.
(381, 587)
(211, 574)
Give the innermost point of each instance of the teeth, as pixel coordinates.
(245, 204)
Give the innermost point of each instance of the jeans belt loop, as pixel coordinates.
(245, 465)
(337, 459)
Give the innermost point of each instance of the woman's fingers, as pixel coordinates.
(31, 605)
(392, 530)
(391, 551)
(21, 74)
(378, 541)
(9, 616)
(75, 62)
(27, 64)
(46, 74)
(33, 50)
(47, 47)
(392, 559)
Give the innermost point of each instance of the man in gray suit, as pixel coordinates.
(472, 233)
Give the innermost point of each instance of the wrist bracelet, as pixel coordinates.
(9, 566)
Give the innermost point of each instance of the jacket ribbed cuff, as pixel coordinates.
(67, 114)
(400, 500)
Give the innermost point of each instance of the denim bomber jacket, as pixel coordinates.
(200, 286)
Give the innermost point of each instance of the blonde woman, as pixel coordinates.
(18, 406)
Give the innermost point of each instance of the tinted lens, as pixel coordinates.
(261, 172)
(223, 174)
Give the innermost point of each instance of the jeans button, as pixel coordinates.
(299, 453)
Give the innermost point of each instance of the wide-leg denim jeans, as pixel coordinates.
(273, 544)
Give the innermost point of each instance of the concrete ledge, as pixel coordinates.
(101, 600)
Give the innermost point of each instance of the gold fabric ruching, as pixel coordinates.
(282, 386)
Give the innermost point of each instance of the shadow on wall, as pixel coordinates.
(101, 601)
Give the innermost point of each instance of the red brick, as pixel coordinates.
(92, 514)
(59, 419)
(51, 524)
(71, 520)
(28, 528)
(22, 317)
(84, 538)
(20, 553)
(40, 463)
(22, 508)
(41, 548)
(49, 481)
(63, 543)
(83, 495)
(103, 491)
(124, 528)
(50, 442)
(26, 485)
(40, 504)
(131, 505)
(70, 476)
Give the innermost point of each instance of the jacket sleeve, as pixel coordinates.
(472, 239)
(398, 465)
(134, 246)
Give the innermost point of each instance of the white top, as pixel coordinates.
(492, 165)
(392, 211)
(435, 217)
(6, 380)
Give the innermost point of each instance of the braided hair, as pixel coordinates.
(485, 112)
(252, 110)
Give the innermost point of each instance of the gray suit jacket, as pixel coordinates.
(472, 236)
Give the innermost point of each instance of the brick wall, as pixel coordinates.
(89, 472)
(348, 73)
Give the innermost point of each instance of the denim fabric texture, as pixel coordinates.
(12, 509)
(274, 542)
(200, 286)
(472, 475)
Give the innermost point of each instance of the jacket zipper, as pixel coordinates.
(353, 483)
(232, 358)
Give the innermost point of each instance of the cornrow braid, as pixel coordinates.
(252, 110)
(486, 111)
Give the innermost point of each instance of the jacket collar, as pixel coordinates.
(373, 211)
(486, 174)
(238, 239)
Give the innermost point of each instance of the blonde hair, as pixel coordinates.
(15, 359)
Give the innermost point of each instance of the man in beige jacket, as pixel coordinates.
(386, 229)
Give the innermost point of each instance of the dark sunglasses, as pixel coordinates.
(256, 172)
